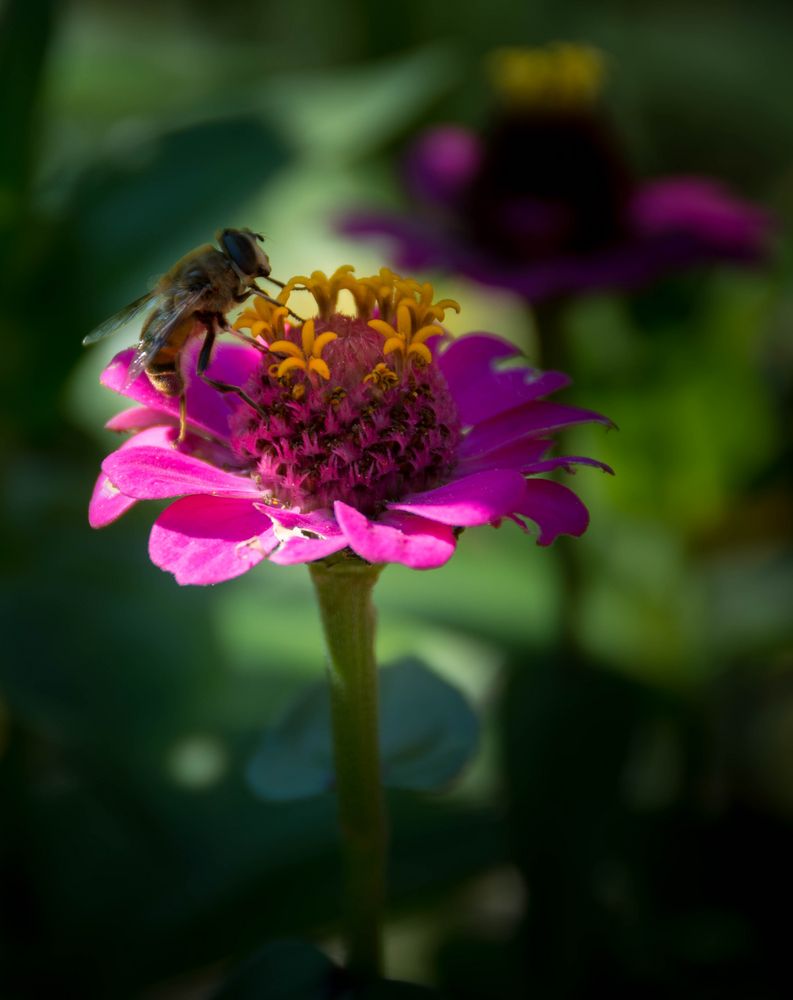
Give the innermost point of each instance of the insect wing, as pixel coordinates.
(158, 330)
(117, 320)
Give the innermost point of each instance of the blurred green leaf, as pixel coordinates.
(428, 732)
(343, 115)
(392, 990)
(296, 970)
(158, 197)
(284, 970)
(25, 33)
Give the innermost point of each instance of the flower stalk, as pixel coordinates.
(549, 321)
(344, 592)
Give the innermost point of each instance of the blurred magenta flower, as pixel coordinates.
(544, 203)
(374, 432)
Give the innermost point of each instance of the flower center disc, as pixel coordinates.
(347, 412)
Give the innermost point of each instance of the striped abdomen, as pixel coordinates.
(163, 369)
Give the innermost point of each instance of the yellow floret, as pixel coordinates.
(324, 289)
(560, 75)
(263, 320)
(404, 338)
(308, 356)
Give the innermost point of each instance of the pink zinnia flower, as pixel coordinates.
(375, 435)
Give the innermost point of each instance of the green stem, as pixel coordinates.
(549, 322)
(344, 592)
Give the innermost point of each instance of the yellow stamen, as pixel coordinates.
(263, 320)
(394, 344)
(383, 289)
(324, 289)
(320, 367)
(404, 321)
(439, 309)
(286, 347)
(424, 308)
(561, 75)
(421, 352)
(406, 317)
(307, 357)
(422, 335)
(307, 337)
(406, 340)
(320, 343)
(290, 364)
(382, 327)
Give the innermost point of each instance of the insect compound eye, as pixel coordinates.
(262, 258)
(241, 249)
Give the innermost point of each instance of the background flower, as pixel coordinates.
(542, 200)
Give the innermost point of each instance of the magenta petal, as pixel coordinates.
(481, 498)
(554, 508)
(155, 473)
(441, 163)
(233, 362)
(479, 389)
(207, 409)
(517, 455)
(399, 538)
(299, 549)
(139, 418)
(477, 350)
(304, 537)
(530, 420)
(204, 540)
(107, 502)
(319, 522)
(704, 210)
(565, 462)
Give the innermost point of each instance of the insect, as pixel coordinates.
(189, 300)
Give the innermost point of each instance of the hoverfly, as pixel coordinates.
(190, 299)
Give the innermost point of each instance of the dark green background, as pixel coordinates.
(627, 824)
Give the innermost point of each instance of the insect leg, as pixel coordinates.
(182, 417)
(203, 364)
(244, 337)
(275, 302)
